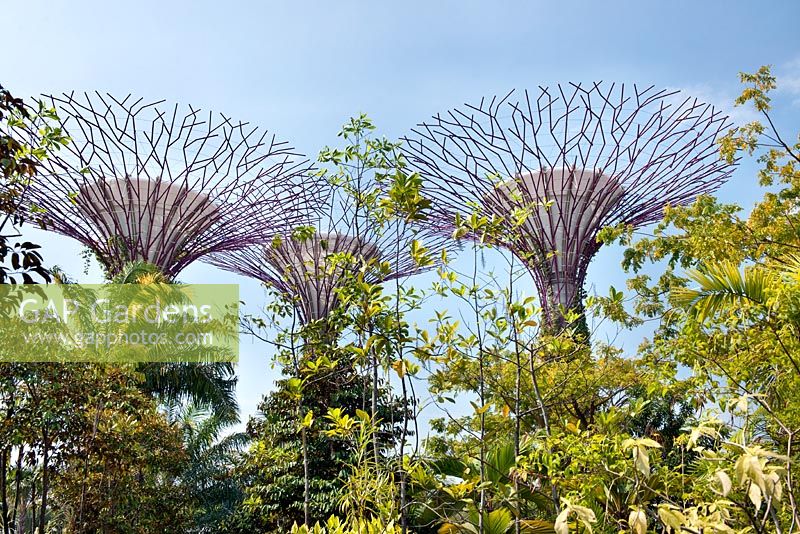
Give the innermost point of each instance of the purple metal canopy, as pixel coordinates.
(309, 269)
(567, 161)
(167, 184)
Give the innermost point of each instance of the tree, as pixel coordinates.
(27, 137)
(274, 472)
(208, 479)
(91, 452)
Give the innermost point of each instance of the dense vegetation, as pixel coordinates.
(540, 431)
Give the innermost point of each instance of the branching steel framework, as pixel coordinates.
(167, 184)
(567, 161)
(309, 269)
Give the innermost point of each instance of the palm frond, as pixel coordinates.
(721, 285)
(206, 385)
(137, 271)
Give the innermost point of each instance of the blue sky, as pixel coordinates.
(302, 68)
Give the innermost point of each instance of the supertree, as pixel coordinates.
(165, 184)
(566, 162)
(309, 268)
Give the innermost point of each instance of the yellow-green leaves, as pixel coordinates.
(724, 482)
(480, 410)
(405, 366)
(761, 83)
(294, 386)
(334, 525)
(641, 455)
(420, 254)
(303, 233)
(722, 285)
(497, 521)
(637, 520)
(707, 517)
(671, 516)
(308, 420)
(760, 479)
(404, 197)
(747, 137)
(754, 494)
(460, 232)
(583, 515)
(323, 363)
(340, 423)
(707, 428)
(740, 139)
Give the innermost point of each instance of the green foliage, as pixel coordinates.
(337, 363)
(92, 453)
(273, 468)
(721, 286)
(27, 137)
(207, 479)
(335, 526)
(695, 433)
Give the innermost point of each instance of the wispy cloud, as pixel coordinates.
(788, 77)
(788, 80)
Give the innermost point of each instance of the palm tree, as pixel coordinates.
(209, 385)
(211, 457)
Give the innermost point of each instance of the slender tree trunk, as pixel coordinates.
(33, 506)
(374, 409)
(403, 437)
(789, 479)
(18, 500)
(4, 454)
(306, 484)
(517, 427)
(545, 420)
(45, 481)
(86, 462)
(517, 392)
(21, 513)
(481, 390)
(303, 430)
(483, 444)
